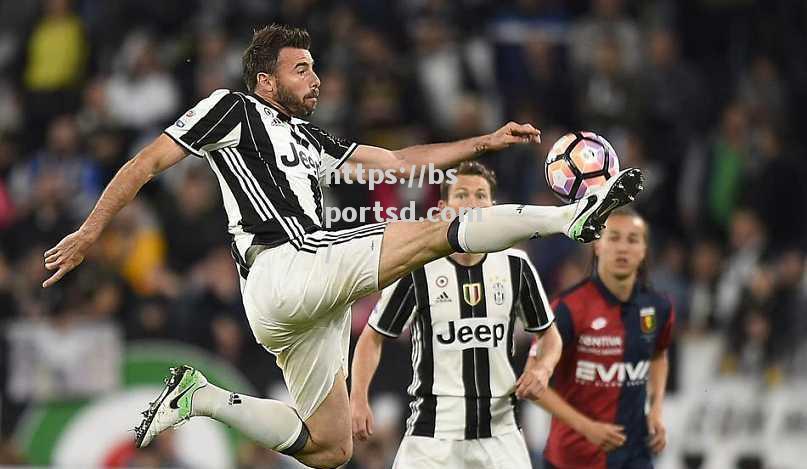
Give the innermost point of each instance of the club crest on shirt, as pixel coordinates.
(647, 319)
(472, 293)
(498, 292)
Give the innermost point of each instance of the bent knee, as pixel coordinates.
(337, 455)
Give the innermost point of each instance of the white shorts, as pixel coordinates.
(298, 305)
(508, 451)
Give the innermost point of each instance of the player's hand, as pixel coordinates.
(605, 436)
(533, 382)
(66, 255)
(362, 417)
(658, 433)
(511, 134)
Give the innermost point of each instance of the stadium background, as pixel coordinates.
(706, 96)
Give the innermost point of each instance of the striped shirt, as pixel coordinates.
(462, 321)
(270, 166)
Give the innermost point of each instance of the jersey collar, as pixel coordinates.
(280, 114)
(457, 264)
(610, 297)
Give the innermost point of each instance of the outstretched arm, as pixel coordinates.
(444, 155)
(365, 362)
(158, 156)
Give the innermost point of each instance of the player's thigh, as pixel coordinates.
(330, 425)
(313, 363)
(408, 245)
(428, 453)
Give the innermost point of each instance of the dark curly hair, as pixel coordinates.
(261, 55)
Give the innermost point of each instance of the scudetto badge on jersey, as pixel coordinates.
(647, 318)
(472, 293)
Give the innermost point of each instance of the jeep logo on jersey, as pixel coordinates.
(472, 293)
(617, 374)
(468, 333)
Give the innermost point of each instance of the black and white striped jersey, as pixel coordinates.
(269, 165)
(462, 321)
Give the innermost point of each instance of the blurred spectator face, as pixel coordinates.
(735, 124)
(221, 274)
(294, 84)
(763, 70)
(538, 50)
(768, 142)
(746, 229)
(674, 256)
(663, 48)
(50, 189)
(63, 136)
(57, 7)
(790, 267)
(146, 60)
(105, 147)
(623, 246)
(757, 328)
(95, 96)
(153, 318)
(762, 285)
(608, 58)
(608, 8)
(706, 261)
(227, 337)
(469, 118)
(431, 35)
(212, 45)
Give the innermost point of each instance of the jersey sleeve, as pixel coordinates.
(393, 311)
(563, 321)
(333, 150)
(534, 307)
(665, 337)
(212, 124)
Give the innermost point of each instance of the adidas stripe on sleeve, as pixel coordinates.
(394, 310)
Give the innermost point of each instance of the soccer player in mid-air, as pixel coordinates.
(462, 310)
(299, 280)
(615, 331)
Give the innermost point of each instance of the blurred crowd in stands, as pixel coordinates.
(705, 96)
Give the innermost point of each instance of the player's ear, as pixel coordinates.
(266, 81)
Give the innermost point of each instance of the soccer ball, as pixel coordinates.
(579, 162)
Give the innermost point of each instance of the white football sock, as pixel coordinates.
(271, 423)
(493, 229)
